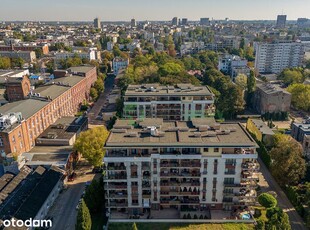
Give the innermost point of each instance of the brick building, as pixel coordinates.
(17, 88)
(44, 48)
(21, 122)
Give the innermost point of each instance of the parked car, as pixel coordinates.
(72, 177)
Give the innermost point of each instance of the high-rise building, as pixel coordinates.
(133, 23)
(97, 23)
(281, 21)
(204, 21)
(181, 102)
(184, 21)
(175, 21)
(303, 23)
(275, 56)
(188, 166)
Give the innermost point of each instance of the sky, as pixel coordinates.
(124, 10)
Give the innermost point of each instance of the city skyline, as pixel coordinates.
(79, 10)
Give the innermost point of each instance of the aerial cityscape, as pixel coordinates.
(157, 115)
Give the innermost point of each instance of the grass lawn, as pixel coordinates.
(174, 226)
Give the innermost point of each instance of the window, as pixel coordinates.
(216, 150)
(206, 149)
(19, 134)
(13, 139)
(1, 141)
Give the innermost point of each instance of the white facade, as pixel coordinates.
(119, 63)
(274, 57)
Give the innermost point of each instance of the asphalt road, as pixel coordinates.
(64, 210)
(96, 109)
(271, 185)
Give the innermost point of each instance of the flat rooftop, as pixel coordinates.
(271, 88)
(161, 90)
(27, 107)
(262, 127)
(201, 132)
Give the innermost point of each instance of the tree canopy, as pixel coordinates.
(83, 221)
(90, 144)
(267, 200)
(300, 96)
(291, 76)
(288, 165)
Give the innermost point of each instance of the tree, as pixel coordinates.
(39, 52)
(5, 63)
(267, 200)
(83, 221)
(90, 144)
(93, 93)
(241, 80)
(94, 196)
(99, 85)
(290, 76)
(288, 165)
(251, 83)
(277, 219)
(300, 96)
(17, 62)
(134, 226)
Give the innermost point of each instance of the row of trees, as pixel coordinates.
(9, 63)
(300, 96)
(92, 204)
(293, 75)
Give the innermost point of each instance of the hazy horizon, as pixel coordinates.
(159, 10)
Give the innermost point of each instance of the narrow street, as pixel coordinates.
(63, 212)
(268, 183)
(94, 113)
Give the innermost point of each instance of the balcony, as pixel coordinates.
(115, 177)
(115, 186)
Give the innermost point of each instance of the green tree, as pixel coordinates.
(94, 196)
(251, 84)
(93, 93)
(90, 144)
(300, 96)
(241, 80)
(267, 200)
(99, 85)
(134, 226)
(83, 221)
(5, 63)
(291, 76)
(17, 62)
(288, 165)
(277, 219)
(39, 52)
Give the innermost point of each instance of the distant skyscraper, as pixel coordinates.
(204, 21)
(175, 21)
(97, 24)
(281, 21)
(133, 23)
(303, 23)
(184, 21)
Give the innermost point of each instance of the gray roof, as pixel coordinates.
(271, 88)
(262, 127)
(27, 107)
(200, 132)
(161, 90)
(81, 69)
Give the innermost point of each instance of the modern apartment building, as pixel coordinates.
(181, 102)
(233, 65)
(275, 56)
(190, 167)
(97, 23)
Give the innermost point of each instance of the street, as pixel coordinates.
(268, 183)
(96, 109)
(64, 210)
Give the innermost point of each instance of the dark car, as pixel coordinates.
(72, 177)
